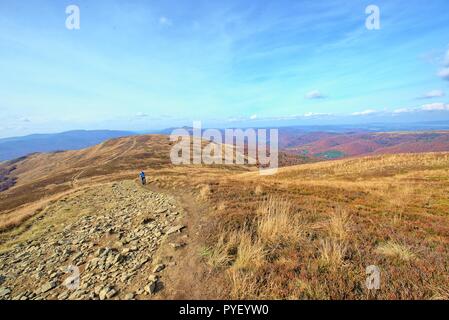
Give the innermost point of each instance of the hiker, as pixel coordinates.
(142, 178)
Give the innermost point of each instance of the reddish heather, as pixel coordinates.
(360, 144)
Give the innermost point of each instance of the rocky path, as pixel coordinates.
(101, 243)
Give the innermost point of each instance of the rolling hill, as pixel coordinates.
(16, 147)
(224, 232)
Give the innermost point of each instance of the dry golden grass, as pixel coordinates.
(220, 255)
(277, 224)
(252, 247)
(344, 210)
(331, 253)
(221, 206)
(243, 284)
(274, 206)
(250, 253)
(204, 192)
(14, 220)
(439, 293)
(236, 249)
(339, 224)
(332, 250)
(362, 168)
(395, 250)
(259, 190)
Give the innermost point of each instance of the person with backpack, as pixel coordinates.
(142, 178)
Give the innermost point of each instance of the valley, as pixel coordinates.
(335, 145)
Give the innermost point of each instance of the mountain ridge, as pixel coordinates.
(16, 147)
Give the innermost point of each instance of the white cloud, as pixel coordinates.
(444, 73)
(141, 115)
(433, 94)
(315, 114)
(314, 94)
(164, 21)
(438, 106)
(365, 112)
(280, 118)
(402, 110)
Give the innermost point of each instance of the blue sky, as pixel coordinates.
(141, 65)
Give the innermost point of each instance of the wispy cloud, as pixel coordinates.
(141, 115)
(402, 110)
(306, 115)
(314, 94)
(438, 106)
(444, 73)
(365, 112)
(316, 114)
(433, 94)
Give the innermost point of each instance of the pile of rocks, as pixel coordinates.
(111, 250)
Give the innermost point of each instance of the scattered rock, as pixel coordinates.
(4, 292)
(159, 268)
(107, 293)
(115, 244)
(151, 287)
(140, 291)
(48, 286)
(153, 277)
(76, 256)
(147, 220)
(177, 245)
(129, 296)
(174, 229)
(99, 252)
(111, 293)
(63, 296)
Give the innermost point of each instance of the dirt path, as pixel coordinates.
(138, 228)
(189, 276)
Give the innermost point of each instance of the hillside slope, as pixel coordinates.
(11, 148)
(308, 232)
(311, 231)
(40, 176)
(43, 174)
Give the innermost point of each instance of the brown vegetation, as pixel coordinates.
(308, 232)
(316, 227)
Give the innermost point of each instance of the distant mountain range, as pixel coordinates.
(314, 142)
(326, 145)
(11, 148)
